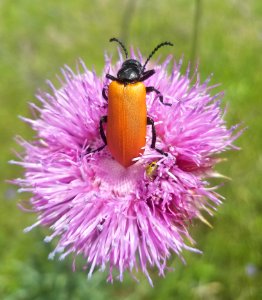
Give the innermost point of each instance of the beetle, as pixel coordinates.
(127, 118)
(151, 170)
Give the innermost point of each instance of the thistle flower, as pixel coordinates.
(123, 218)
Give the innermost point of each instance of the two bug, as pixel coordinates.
(127, 118)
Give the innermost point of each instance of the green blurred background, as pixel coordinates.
(38, 37)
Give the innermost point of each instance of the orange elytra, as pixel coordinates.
(126, 121)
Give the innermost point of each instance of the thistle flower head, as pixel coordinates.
(123, 218)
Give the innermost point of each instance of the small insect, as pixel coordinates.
(127, 115)
(151, 170)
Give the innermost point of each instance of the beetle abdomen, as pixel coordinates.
(126, 123)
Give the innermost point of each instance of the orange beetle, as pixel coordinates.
(127, 115)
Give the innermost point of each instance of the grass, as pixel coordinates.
(37, 38)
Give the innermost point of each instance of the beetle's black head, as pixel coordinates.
(130, 71)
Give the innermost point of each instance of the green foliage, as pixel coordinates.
(37, 38)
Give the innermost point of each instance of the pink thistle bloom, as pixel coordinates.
(123, 218)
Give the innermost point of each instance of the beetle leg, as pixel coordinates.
(150, 121)
(101, 129)
(150, 89)
(104, 94)
(147, 74)
(111, 77)
(102, 134)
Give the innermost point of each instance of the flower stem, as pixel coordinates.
(195, 34)
(126, 20)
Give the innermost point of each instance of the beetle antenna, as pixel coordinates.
(154, 51)
(121, 44)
